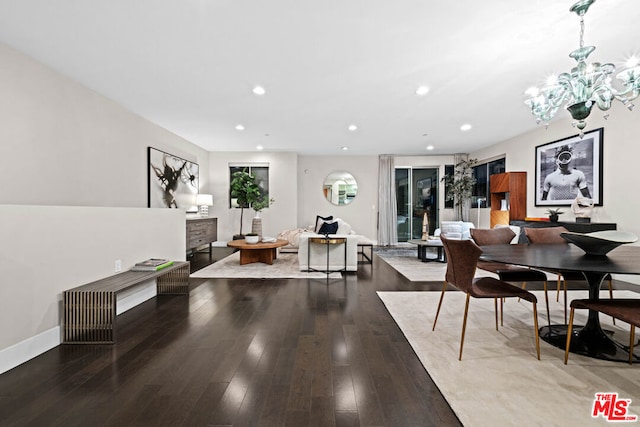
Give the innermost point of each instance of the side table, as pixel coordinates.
(433, 243)
(327, 241)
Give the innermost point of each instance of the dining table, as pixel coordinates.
(589, 339)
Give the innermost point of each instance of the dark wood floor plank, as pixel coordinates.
(302, 375)
(280, 352)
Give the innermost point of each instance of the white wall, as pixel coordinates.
(63, 144)
(283, 182)
(361, 213)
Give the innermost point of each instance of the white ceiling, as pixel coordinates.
(190, 65)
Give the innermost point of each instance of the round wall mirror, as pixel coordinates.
(340, 188)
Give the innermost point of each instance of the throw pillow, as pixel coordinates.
(328, 228)
(320, 220)
(451, 229)
(343, 227)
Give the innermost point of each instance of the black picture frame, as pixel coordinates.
(584, 154)
(172, 181)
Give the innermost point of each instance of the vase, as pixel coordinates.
(256, 226)
(553, 218)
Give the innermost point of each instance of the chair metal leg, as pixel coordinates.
(524, 286)
(535, 328)
(565, 301)
(633, 333)
(444, 288)
(569, 333)
(611, 297)
(495, 309)
(464, 325)
(546, 301)
(558, 288)
(502, 311)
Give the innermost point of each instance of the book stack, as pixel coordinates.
(152, 264)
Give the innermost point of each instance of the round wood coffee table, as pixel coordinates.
(264, 252)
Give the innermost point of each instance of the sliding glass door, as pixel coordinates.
(416, 194)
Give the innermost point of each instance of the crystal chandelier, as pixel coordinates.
(587, 84)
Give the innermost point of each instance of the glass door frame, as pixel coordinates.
(410, 216)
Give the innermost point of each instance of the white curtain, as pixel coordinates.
(387, 207)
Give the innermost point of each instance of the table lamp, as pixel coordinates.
(204, 201)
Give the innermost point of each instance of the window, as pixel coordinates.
(482, 172)
(448, 171)
(259, 170)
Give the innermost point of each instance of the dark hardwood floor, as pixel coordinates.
(239, 352)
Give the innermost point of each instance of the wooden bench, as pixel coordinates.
(90, 310)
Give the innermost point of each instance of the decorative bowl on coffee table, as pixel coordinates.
(599, 242)
(252, 239)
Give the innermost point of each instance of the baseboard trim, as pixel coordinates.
(26, 350)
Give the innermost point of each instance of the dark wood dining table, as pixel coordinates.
(588, 339)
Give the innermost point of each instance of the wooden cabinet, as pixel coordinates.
(201, 231)
(510, 187)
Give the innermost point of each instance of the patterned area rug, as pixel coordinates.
(499, 380)
(284, 267)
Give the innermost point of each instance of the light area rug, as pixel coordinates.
(499, 380)
(285, 266)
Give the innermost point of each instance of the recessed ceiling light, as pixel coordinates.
(353, 128)
(430, 147)
(259, 90)
(259, 147)
(344, 148)
(239, 127)
(422, 90)
(465, 127)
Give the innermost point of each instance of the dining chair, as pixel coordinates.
(508, 272)
(462, 256)
(551, 235)
(625, 309)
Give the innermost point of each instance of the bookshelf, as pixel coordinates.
(510, 187)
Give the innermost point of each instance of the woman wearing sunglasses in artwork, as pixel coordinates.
(565, 183)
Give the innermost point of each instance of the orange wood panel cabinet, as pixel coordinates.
(508, 191)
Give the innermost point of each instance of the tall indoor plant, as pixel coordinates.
(246, 192)
(459, 186)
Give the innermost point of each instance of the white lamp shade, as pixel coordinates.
(204, 200)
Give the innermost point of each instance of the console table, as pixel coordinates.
(201, 231)
(327, 241)
(575, 227)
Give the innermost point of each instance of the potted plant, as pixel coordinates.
(553, 214)
(259, 205)
(459, 186)
(246, 192)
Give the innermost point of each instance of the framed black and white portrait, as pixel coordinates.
(569, 168)
(172, 181)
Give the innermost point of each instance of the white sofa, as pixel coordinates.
(454, 230)
(316, 254)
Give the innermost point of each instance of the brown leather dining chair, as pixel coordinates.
(625, 309)
(508, 272)
(551, 235)
(462, 256)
